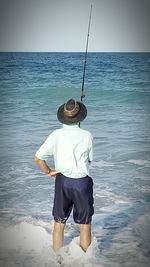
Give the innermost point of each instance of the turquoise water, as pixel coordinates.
(117, 96)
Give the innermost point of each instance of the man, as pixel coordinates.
(72, 150)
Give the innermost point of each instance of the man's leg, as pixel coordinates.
(58, 236)
(85, 236)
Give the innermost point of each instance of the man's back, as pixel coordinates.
(71, 147)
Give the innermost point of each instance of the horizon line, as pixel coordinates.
(11, 51)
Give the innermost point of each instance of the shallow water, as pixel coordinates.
(32, 86)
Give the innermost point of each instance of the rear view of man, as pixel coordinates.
(72, 150)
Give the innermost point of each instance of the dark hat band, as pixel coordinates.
(73, 112)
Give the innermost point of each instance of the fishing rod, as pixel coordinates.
(85, 59)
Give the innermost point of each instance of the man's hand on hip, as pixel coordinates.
(52, 173)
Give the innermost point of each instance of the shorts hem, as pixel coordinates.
(83, 222)
(59, 220)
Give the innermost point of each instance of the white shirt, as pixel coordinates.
(72, 149)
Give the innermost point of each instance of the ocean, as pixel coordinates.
(117, 96)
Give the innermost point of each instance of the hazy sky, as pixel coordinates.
(61, 25)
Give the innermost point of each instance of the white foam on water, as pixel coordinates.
(114, 208)
(24, 235)
(145, 178)
(30, 244)
(140, 162)
(101, 164)
(113, 201)
(145, 188)
(130, 246)
(73, 255)
(26, 244)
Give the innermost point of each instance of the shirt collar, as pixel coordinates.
(71, 126)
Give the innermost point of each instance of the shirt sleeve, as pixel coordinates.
(47, 148)
(90, 148)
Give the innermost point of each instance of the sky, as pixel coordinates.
(61, 25)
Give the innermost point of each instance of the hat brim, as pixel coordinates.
(70, 120)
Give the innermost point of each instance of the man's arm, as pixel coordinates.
(44, 167)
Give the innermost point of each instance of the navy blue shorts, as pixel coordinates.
(76, 194)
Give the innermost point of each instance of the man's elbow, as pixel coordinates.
(37, 160)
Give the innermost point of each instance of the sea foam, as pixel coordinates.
(140, 162)
(26, 244)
